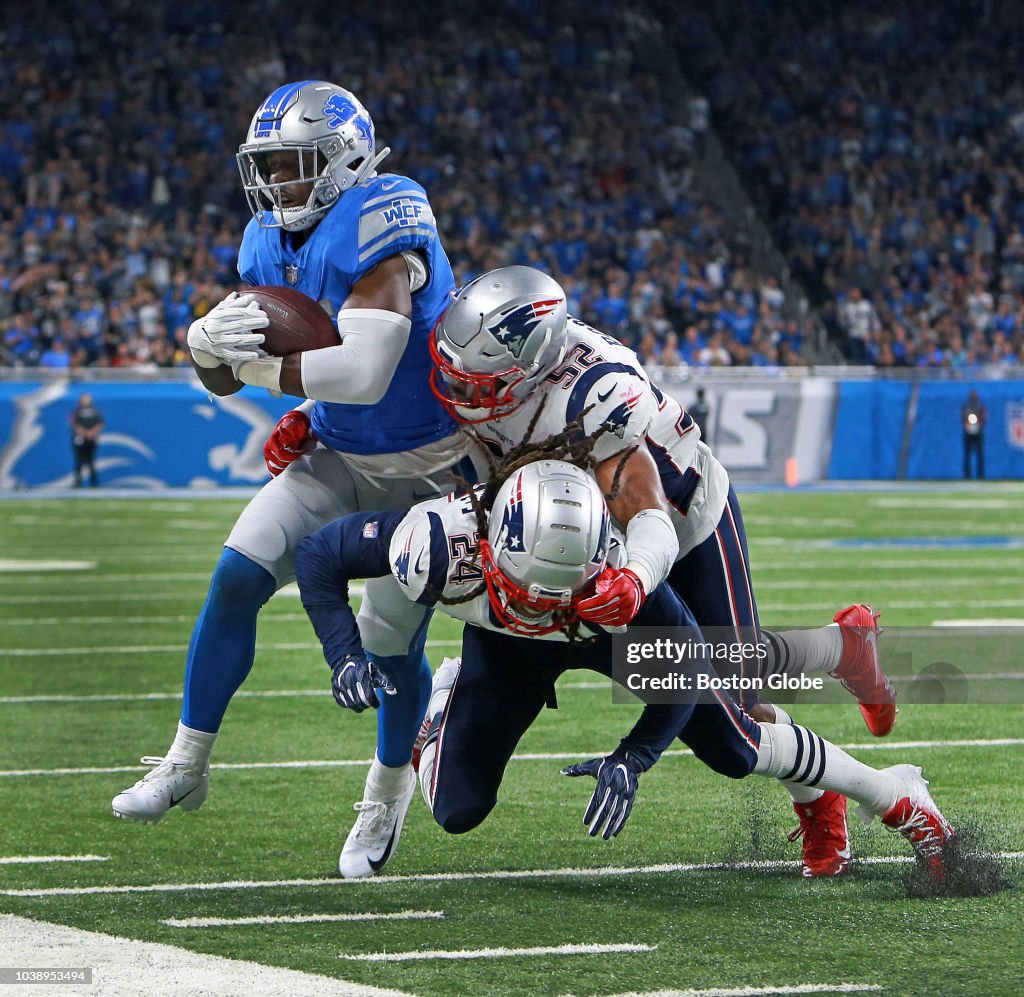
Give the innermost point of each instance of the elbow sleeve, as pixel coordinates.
(359, 370)
(651, 547)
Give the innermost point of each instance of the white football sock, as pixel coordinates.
(385, 783)
(800, 794)
(191, 746)
(792, 753)
(799, 652)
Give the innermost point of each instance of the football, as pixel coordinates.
(297, 322)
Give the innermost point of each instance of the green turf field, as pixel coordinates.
(97, 599)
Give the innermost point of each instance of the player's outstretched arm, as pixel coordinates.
(638, 501)
(617, 774)
(354, 546)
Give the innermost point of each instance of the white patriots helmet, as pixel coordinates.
(502, 334)
(547, 540)
(331, 136)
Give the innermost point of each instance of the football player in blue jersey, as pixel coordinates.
(370, 434)
(517, 560)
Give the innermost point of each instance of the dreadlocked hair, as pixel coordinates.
(571, 445)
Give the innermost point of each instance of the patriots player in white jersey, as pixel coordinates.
(510, 361)
(370, 435)
(516, 559)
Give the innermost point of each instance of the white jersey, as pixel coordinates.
(435, 552)
(601, 374)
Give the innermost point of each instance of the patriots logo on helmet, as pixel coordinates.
(401, 565)
(514, 327)
(511, 533)
(619, 416)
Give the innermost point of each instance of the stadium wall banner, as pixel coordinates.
(157, 434)
(765, 429)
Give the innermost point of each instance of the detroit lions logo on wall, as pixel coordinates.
(514, 327)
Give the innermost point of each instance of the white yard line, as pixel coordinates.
(17, 565)
(141, 697)
(761, 991)
(125, 966)
(41, 859)
(63, 652)
(824, 607)
(240, 922)
(163, 576)
(599, 872)
(498, 953)
(524, 757)
(63, 621)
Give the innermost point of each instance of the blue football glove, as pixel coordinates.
(616, 776)
(353, 681)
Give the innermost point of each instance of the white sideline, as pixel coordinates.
(237, 922)
(598, 872)
(124, 966)
(41, 859)
(560, 756)
(498, 953)
(765, 991)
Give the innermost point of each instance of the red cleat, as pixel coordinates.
(917, 818)
(860, 671)
(826, 839)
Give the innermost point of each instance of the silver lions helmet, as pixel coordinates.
(308, 143)
(547, 540)
(502, 334)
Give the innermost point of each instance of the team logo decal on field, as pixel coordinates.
(619, 416)
(514, 327)
(1015, 424)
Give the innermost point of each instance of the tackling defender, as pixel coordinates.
(521, 573)
(371, 434)
(511, 363)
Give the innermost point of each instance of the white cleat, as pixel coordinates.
(916, 817)
(374, 836)
(170, 784)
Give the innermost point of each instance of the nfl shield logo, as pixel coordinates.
(1015, 424)
(291, 273)
(370, 531)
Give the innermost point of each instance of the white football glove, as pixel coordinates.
(226, 334)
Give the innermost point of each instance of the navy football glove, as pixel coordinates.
(616, 776)
(353, 681)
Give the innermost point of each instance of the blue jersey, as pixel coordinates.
(381, 217)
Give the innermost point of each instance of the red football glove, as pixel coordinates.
(617, 598)
(290, 439)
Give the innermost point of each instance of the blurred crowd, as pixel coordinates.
(540, 133)
(884, 142)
